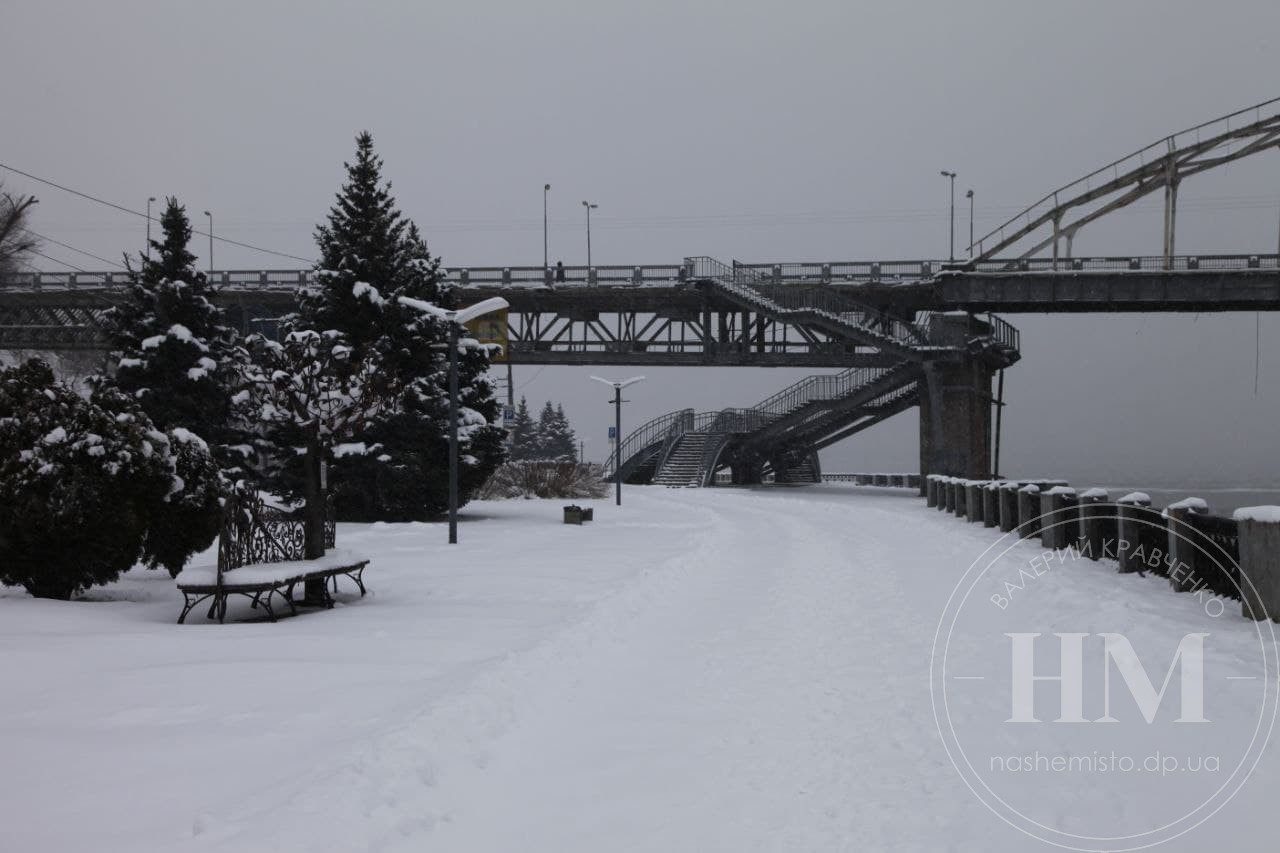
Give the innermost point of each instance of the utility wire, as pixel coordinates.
(138, 213)
(56, 261)
(72, 248)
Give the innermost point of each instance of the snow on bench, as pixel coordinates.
(260, 555)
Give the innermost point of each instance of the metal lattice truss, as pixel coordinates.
(54, 327)
(1163, 165)
(677, 337)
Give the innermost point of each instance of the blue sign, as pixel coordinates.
(613, 433)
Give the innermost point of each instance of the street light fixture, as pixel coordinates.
(456, 319)
(210, 215)
(590, 207)
(969, 195)
(149, 201)
(952, 176)
(617, 426)
(546, 264)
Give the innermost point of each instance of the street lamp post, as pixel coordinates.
(590, 207)
(969, 195)
(617, 427)
(149, 201)
(210, 215)
(546, 264)
(457, 319)
(952, 176)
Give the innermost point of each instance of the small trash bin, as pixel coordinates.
(588, 513)
(573, 515)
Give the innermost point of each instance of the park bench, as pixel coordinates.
(260, 556)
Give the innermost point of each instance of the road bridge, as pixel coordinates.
(906, 333)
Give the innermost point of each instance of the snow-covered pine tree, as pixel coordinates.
(555, 440)
(170, 343)
(371, 257)
(523, 433)
(81, 488)
(567, 439)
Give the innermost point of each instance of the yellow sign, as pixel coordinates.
(491, 329)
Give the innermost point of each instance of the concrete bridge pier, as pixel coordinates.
(955, 409)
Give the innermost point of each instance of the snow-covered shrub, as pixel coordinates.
(545, 480)
(80, 485)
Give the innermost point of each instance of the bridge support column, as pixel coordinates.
(955, 415)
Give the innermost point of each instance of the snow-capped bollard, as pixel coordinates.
(973, 499)
(1008, 497)
(961, 490)
(1132, 511)
(991, 504)
(1185, 542)
(1029, 510)
(931, 490)
(1058, 524)
(948, 501)
(915, 481)
(1259, 532)
(879, 479)
(1097, 524)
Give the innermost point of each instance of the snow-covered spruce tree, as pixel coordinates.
(187, 519)
(524, 433)
(563, 439)
(553, 438)
(171, 345)
(80, 485)
(371, 257)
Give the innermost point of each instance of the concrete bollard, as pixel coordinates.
(961, 489)
(1259, 532)
(876, 479)
(1097, 525)
(1132, 511)
(1008, 497)
(991, 505)
(915, 481)
(1185, 542)
(973, 499)
(1058, 524)
(1028, 510)
(931, 490)
(948, 501)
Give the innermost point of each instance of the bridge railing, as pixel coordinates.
(791, 274)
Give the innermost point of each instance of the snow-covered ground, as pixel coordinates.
(700, 670)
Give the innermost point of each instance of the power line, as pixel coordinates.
(72, 248)
(142, 215)
(56, 261)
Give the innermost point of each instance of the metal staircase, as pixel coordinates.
(684, 466)
(780, 435)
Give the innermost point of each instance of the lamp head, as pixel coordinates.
(969, 194)
(153, 198)
(546, 187)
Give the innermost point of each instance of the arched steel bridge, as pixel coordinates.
(907, 332)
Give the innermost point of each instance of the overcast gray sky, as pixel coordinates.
(749, 130)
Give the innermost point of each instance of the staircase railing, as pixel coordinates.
(662, 428)
(749, 282)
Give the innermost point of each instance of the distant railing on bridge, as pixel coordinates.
(658, 275)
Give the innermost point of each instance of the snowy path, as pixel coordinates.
(702, 670)
(738, 716)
